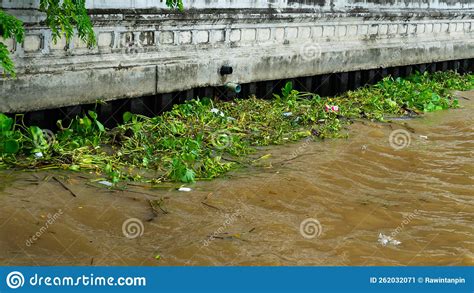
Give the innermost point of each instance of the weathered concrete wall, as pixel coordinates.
(149, 50)
(252, 4)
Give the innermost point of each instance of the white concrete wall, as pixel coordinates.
(281, 4)
(150, 52)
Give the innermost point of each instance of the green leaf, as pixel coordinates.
(100, 126)
(86, 122)
(36, 133)
(455, 103)
(74, 168)
(127, 116)
(286, 91)
(92, 114)
(188, 176)
(11, 146)
(6, 123)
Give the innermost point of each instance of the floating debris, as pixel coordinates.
(331, 108)
(106, 183)
(204, 138)
(184, 189)
(64, 186)
(218, 112)
(384, 240)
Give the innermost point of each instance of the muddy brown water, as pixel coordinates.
(418, 191)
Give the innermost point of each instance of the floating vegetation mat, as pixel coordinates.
(203, 138)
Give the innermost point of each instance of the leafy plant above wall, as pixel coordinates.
(10, 28)
(64, 17)
(175, 4)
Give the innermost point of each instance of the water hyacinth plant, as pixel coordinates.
(204, 138)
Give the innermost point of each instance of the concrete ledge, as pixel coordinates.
(52, 90)
(146, 53)
(48, 90)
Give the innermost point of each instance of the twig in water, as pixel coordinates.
(64, 186)
(211, 206)
(157, 203)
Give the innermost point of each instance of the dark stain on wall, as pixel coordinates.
(324, 85)
(308, 2)
(408, 2)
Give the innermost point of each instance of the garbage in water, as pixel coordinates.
(106, 183)
(184, 189)
(218, 112)
(331, 108)
(384, 240)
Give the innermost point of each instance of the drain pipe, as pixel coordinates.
(235, 87)
(232, 86)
